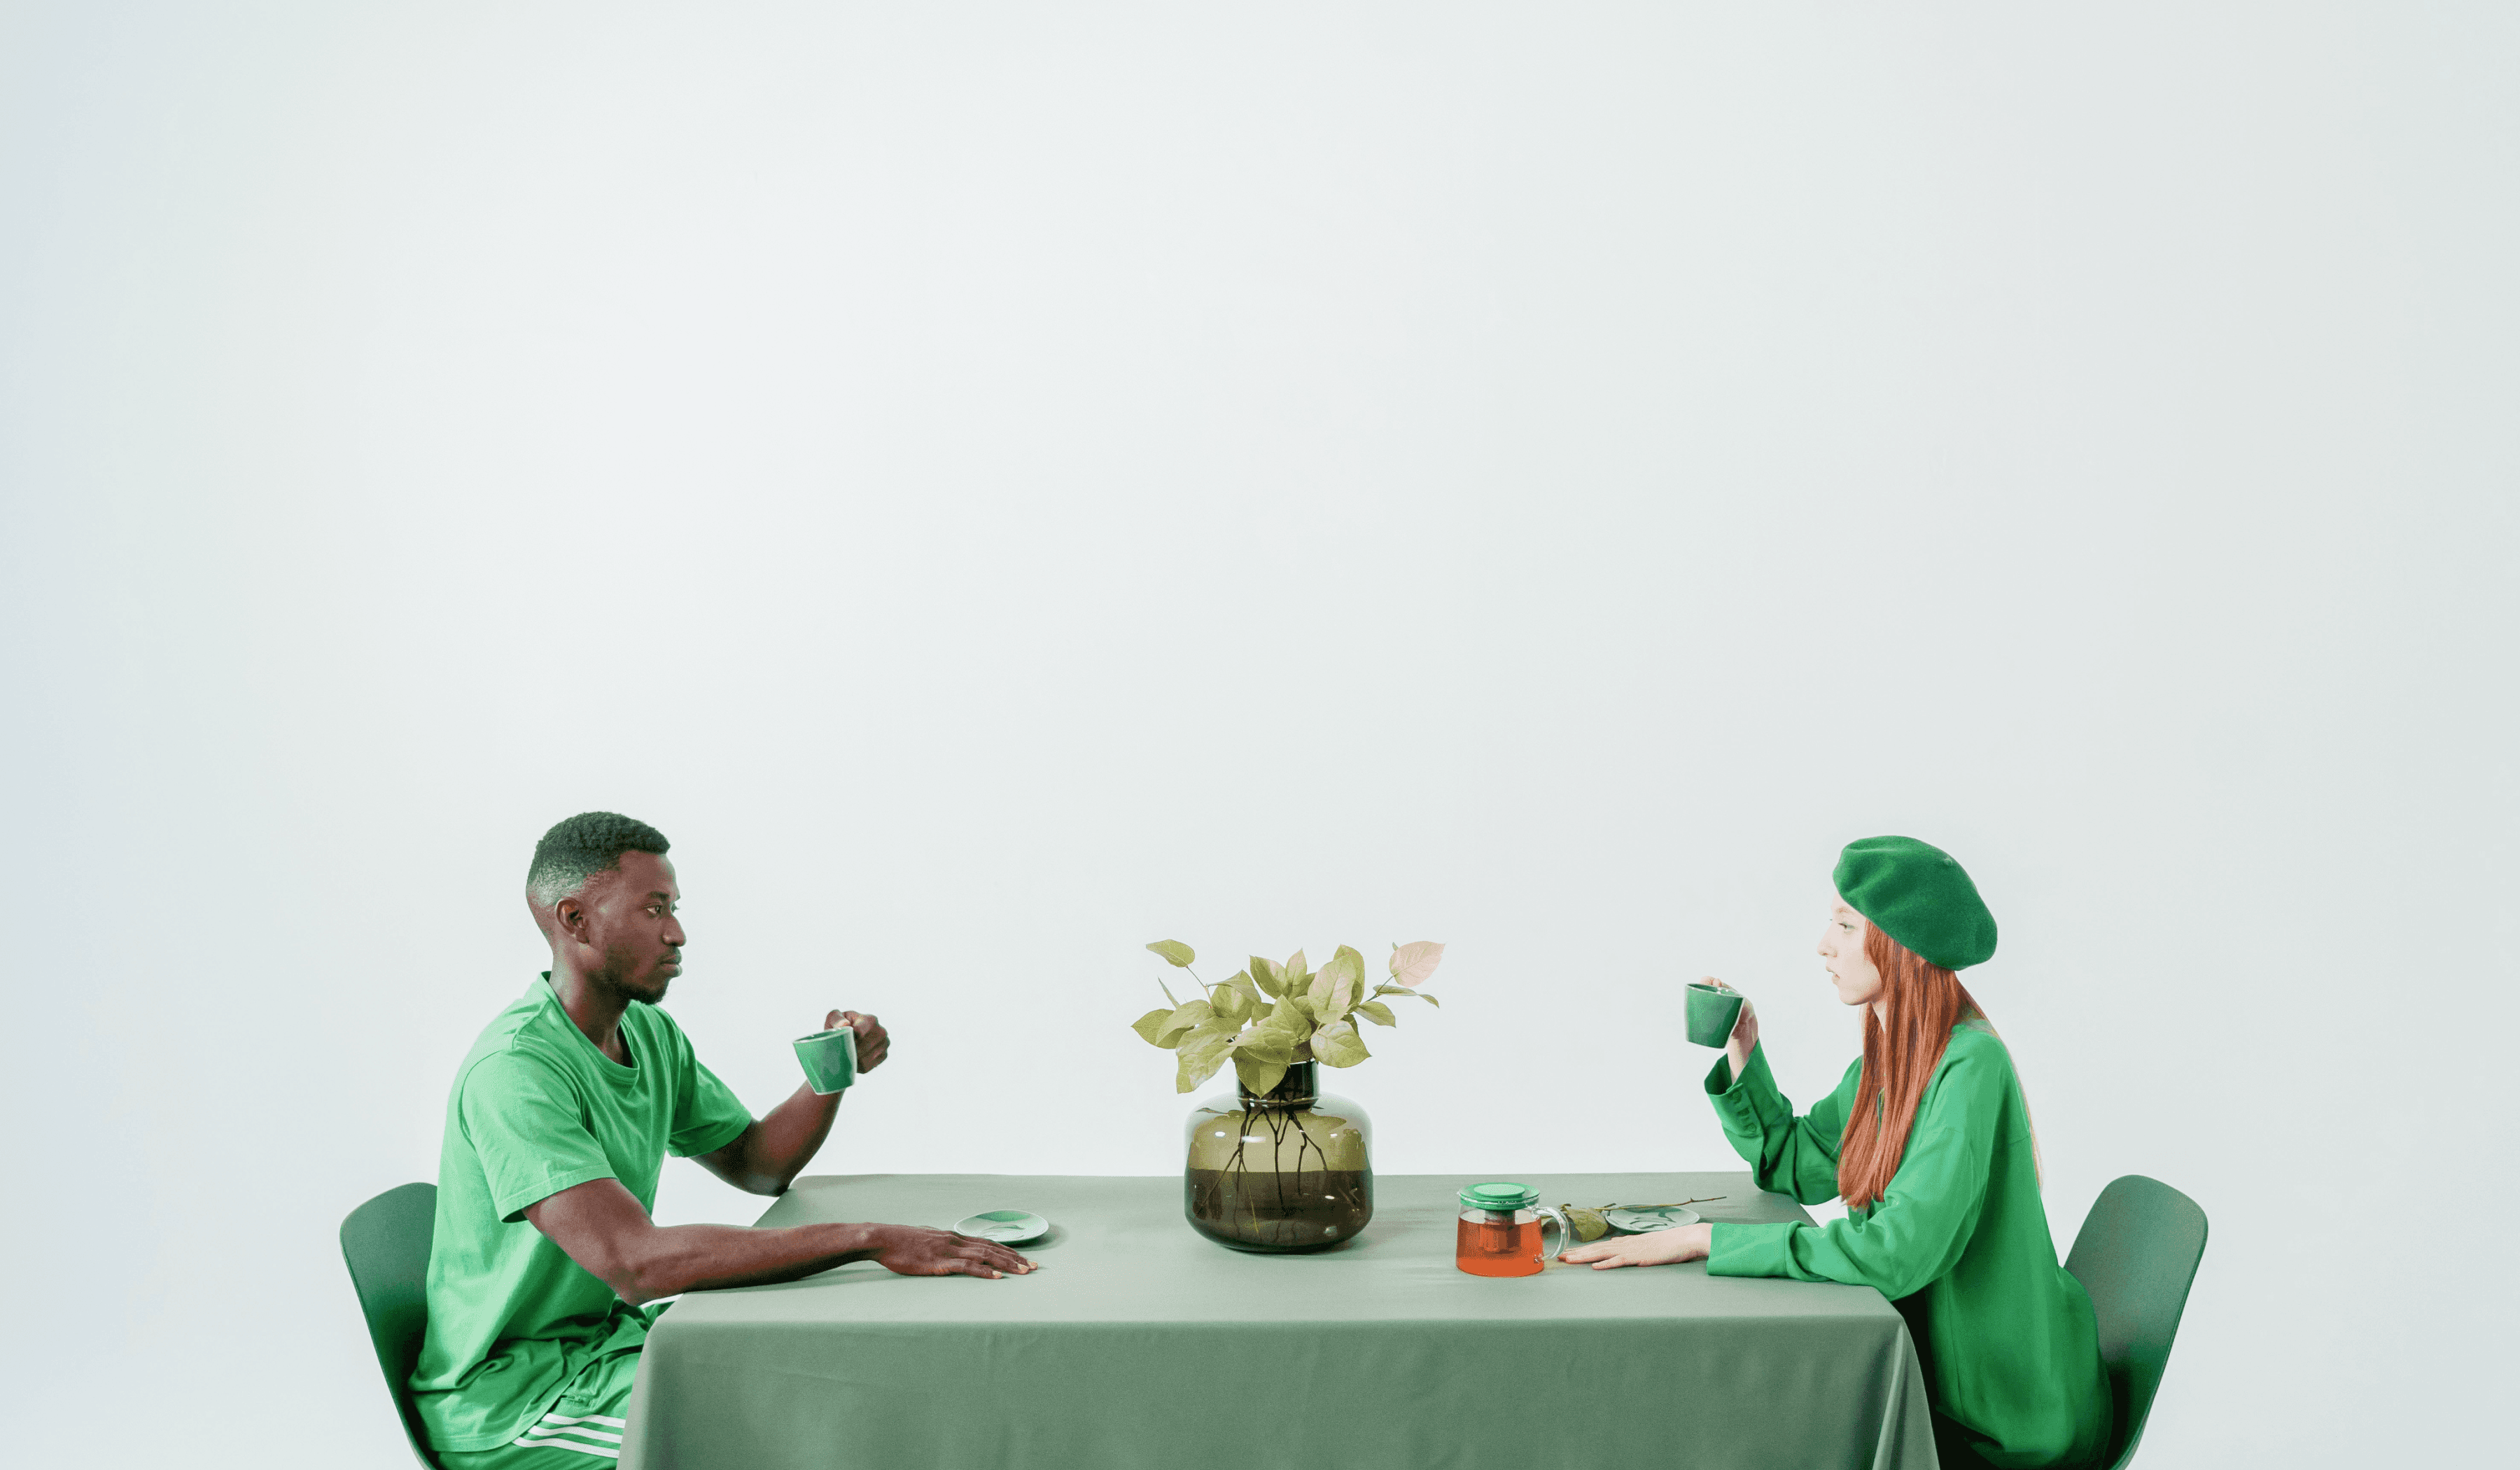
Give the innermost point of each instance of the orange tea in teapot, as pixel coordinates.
(1502, 1230)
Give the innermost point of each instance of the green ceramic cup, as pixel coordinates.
(1711, 1013)
(830, 1059)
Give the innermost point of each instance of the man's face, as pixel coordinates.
(626, 918)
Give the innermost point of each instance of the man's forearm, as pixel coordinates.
(670, 1259)
(778, 1148)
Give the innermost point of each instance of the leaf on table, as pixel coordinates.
(1412, 962)
(1175, 953)
(1260, 1075)
(1590, 1224)
(1151, 1025)
(1377, 1012)
(1339, 1045)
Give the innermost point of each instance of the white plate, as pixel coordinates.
(1005, 1226)
(1646, 1222)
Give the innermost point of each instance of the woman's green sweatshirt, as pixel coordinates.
(1958, 1242)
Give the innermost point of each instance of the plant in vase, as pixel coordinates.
(1280, 1166)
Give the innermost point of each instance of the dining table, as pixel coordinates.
(1140, 1343)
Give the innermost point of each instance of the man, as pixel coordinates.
(557, 1129)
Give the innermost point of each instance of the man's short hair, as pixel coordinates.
(586, 844)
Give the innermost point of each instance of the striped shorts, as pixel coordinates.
(584, 1424)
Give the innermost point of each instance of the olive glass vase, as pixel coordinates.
(1291, 1170)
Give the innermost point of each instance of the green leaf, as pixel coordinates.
(1176, 953)
(1339, 1045)
(1269, 976)
(1266, 1046)
(1297, 971)
(1285, 1022)
(1431, 1000)
(1187, 1019)
(1202, 1051)
(1377, 1012)
(1346, 971)
(1194, 1069)
(1590, 1224)
(1227, 999)
(1151, 1025)
(1245, 982)
(1259, 1074)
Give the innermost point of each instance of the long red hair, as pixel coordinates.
(1925, 1001)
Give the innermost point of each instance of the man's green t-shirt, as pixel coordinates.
(537, 1109)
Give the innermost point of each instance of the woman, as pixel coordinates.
(1928, 1142)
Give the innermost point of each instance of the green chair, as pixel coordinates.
(2137, 1256)
(385, 1243)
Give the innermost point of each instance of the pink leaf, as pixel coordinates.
(1412, 964)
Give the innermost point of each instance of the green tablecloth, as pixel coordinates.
(1139, 1345)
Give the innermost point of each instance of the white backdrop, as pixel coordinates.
(999, 484)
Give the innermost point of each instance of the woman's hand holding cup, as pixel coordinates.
(1745, 1031)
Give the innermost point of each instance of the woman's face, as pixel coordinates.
(1841, 949)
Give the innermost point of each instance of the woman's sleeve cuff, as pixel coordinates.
(1751, 1250)
(1748, 1104)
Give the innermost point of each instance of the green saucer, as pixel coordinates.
(1005, 1226)
(1646, 1222)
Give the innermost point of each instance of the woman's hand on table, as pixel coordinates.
(1688, 1243)
(913, 1251)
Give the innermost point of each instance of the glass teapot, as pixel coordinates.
(1502, 1230)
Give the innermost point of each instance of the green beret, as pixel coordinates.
(1918, 896)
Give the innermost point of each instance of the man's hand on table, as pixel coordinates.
(604, 1228)
(914, 1251)
(1656, 1248)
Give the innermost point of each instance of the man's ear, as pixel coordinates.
(569, 916)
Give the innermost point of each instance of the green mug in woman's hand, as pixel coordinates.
(1713, 1007)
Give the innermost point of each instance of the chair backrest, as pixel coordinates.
(386, 1243)
(2137, 1256)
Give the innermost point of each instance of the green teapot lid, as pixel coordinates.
(1499, 1197)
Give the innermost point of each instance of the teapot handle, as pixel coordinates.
(1567, 1239)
